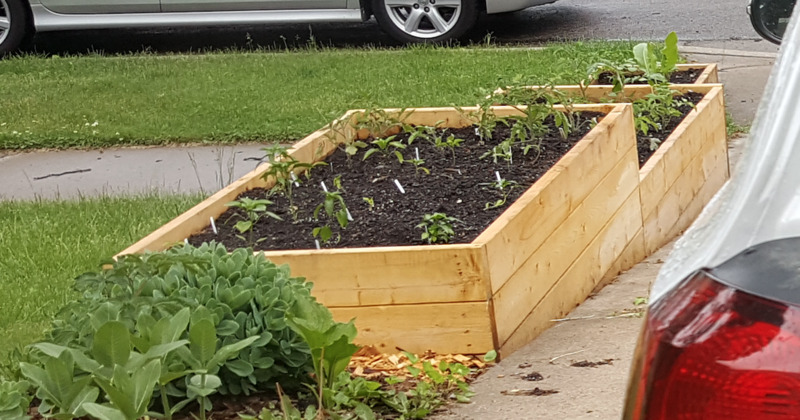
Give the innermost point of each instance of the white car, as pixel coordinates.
(405, 20)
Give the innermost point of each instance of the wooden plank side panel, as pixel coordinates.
(391, 275)
(675, 211)
(546, 265)
(444, 327)
(703, 145)
(714, 181)
(581, 278)
(631, 255)
(712, 168)
(524, 227)
(706, 124)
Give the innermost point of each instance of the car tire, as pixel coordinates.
(14, 25)
(425, 21)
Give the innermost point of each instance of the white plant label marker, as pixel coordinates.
(399, 187)
(349, 217)
(497, 175)
(213, 225)
(316, 242)
(324, 188)
(294, 178)
(186, 241)
(416, 151)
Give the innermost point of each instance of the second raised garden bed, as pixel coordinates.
(688, 167)
(537, 261)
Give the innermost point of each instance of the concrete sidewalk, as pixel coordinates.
(602, 330)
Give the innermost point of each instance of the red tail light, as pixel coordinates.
(709, 351)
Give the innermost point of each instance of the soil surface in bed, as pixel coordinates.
(679, 77)
(458, 185)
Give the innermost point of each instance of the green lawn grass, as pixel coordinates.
(96, 101)
(46, 244)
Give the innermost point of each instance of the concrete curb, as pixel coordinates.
(685, 49)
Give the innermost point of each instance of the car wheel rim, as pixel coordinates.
(424, 19)
(5, 20)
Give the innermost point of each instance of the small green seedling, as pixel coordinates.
(370, 202)
(438, 228)
(502, 184)
(254, 209)
(451, 142)
(335, 208)
(382, 146)
(282, 167)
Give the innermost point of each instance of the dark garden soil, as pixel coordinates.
(678, 77)
(644, 145)
(459, 185)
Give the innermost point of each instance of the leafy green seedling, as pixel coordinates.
(451, 142)
(335, 208)
(505, 186)
(204, 357)
(282, 167)
(438, 228)
(254, 209)
(370, 202)
(330, 342)
(62, 392)
(382, 146)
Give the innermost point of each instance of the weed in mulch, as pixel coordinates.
(586, 363)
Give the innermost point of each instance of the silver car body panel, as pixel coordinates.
(101, 6)
(57, 15)
(239, 5)
(502, 6)
(46, 20)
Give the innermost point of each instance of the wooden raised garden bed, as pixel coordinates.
(687, 169)
(537, 261)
